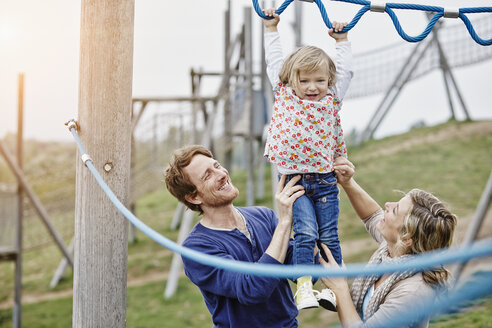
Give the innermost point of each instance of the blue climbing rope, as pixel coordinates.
(419, 262)
(481, 286)
(388, 8)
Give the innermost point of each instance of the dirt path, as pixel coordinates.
(35, 298)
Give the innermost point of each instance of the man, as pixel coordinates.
(250, 234)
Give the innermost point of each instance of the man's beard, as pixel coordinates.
(219, 201)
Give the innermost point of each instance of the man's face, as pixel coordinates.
(212, 182)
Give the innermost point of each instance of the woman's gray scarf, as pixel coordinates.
(362, 284)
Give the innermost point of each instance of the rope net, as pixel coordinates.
(376, 70)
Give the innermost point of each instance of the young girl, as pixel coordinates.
(305, 137)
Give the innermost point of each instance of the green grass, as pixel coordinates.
(146, 308)
(455, 170)
(478, 315)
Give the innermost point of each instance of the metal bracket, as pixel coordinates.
(451, 12)
(378, 6)
(86, 158)
(72, 124)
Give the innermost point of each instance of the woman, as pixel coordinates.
(417, 223)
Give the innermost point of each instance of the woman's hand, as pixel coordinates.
(344, 170)
(337, 284)
(345, 307)
(271, 24)
(285, 197)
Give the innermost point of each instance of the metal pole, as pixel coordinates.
(297, 24)
(267, 87)
(250, 196)
(444, 69)
(136, 118)
(132, 230)
(105, 98)
(398, 87)
(474, 228)
(155, 142)
(458, 93)
(448, 73)
(369, 131)
(62, 267)
(181, 131)
(17, 314)
(195, 91)
(266, 90)
(227, 102)
(172, 282)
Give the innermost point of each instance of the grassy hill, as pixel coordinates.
(452, 160)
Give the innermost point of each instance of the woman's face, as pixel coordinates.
(394, 216)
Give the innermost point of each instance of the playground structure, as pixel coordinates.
(113, 161)
(248, 70)
(442, 50)
(12, 211)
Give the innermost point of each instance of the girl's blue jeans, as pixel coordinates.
(315, 217)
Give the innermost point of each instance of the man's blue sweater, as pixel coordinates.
(235, 299)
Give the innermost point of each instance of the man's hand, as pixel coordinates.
(285, 197)
(271, 24)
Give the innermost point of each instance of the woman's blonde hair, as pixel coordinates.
(309, 59)
(430, 226)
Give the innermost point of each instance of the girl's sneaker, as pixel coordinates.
(327, 299)
(304, 296)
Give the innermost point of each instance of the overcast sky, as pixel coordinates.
(41, 39)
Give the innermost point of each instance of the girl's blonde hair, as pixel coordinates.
(309, 59)
(430, 226)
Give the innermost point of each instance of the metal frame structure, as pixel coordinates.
(16, 166)
(404, 76)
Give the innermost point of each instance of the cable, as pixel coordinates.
(418, 262)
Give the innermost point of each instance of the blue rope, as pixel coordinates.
(419, 262)
(439, 12)
(480, 287)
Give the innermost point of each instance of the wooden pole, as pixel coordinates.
(105, 98)
(17, 314)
